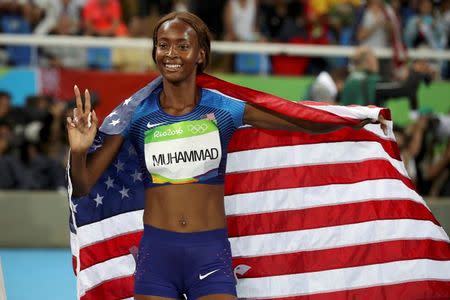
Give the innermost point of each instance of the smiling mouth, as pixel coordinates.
(172, 67)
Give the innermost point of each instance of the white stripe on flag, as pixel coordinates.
(335, 236)
(354, 112)
(73, 243)
(309, 197)
(2, 283)
(118, 267)
(304, 155)
(111, 227)
(376, 129)
(344, 279)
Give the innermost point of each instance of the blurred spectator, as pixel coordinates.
(29, 166)
(37, 107)
(433, 168)
(439, 172)
(13, 116)
(425, 29)
(275, 15)
(43, 15)
(15, 21)
(380, 28)
(327, 86)
(284, 22)
(133, 59)
(374, 28)
(445, 13)
(408, 147)
(68, 20)
(364, 85)
(5, 105)
(102, 18)
(242, 24)
(130, 8)
(241, 21)
(68, 23)
(9, 163)
(337, 14)
(211, 13)
(35, 170)
(6, 133)
(316, 20)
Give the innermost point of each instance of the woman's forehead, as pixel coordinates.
(177, 29)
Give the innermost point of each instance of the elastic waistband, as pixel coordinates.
(173, 237)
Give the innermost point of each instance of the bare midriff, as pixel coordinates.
(186, 207)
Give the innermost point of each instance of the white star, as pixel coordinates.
(114, 122)
(124, 192)
(131, 150)
(109, 183)
(119, 166)
(136, 176)
(98, 200)
(112, 114)
(127, 101)
(74, 207)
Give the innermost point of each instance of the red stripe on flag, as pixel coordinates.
(118, 288)
(343, 257)
(326, 216)
(277, 104)
(277, 138)
(107, 249)
(307, 176)
(74, 264)
(417, 290)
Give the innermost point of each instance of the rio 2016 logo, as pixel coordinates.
(168, 132)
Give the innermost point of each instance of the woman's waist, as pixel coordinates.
(185, 208)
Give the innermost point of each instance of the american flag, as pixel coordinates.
(327, 216)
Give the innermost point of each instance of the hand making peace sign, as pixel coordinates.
(82, 127)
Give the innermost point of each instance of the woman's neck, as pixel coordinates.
(179, 98)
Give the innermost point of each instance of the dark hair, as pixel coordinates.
(340, 73)
(5, 94)
(203, 34)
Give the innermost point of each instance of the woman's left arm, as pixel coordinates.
(266, 119)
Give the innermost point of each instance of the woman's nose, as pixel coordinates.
(171, 52)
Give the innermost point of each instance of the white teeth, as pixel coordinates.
(172, 66)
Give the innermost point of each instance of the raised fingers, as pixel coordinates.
(78, 101)
(87, 101)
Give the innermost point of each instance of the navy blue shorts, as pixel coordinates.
(171, 264)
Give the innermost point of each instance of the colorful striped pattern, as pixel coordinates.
(329, 216)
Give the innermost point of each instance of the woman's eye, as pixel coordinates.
(183, 47)
(162, 45)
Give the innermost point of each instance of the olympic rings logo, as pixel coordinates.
(198, 129)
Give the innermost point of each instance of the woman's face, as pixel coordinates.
(177, 51)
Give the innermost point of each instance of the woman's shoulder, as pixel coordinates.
(218, 99)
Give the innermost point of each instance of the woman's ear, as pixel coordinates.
(201, 57)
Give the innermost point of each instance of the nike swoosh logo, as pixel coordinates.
(201, 277)
(149, 125)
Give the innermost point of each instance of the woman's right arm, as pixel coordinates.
(86, 169)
